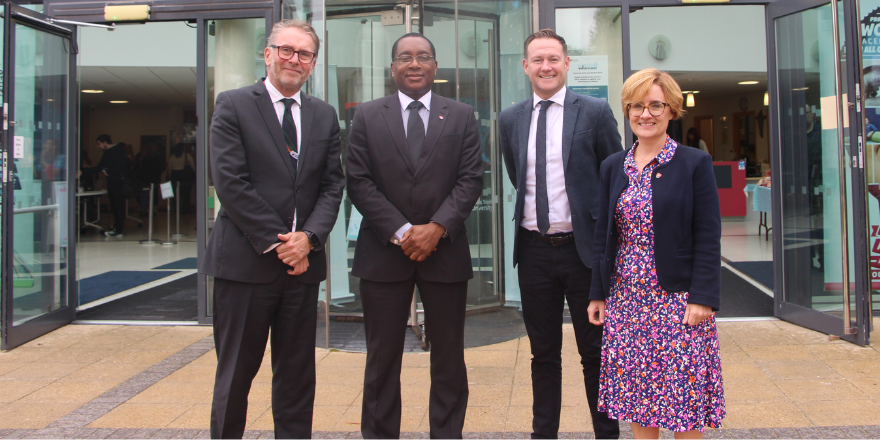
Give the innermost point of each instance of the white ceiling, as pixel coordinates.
(139, 85)
(711, 84)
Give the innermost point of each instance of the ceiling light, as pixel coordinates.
(50, 100)
(92, 91)
(800, 89)
(766, 98)
(118, 102)
(690, 91)
(441, 81)
(747, 83)
(690, 100)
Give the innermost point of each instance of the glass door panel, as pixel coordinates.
(471, 77)
(818, 249)
(234, 59)
(358, 70)
(36, 140)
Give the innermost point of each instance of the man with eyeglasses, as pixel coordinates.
(553, 144)
(415, 172)
(275, 160)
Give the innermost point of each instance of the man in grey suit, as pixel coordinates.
(553, 144)
(275, 159)
(414, 171)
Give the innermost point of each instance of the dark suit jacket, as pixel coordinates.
(259, 189)
(390, 191)
(589, 135)
(687, 226)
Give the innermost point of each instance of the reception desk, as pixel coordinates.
(731, 180)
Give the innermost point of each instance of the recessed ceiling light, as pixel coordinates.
(746, 83)
(800, 89)
(441, 81)
(118, 102)
(50, 100)
(92, 91)
(689, 91)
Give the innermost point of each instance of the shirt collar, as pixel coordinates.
(276, 96)
(558, 98)
(405, 100)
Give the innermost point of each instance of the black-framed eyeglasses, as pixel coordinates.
(655, 108)
(287, 53)
(406, 59)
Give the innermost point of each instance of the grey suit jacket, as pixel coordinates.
(259, 189)
(390, 191)
(589, 135)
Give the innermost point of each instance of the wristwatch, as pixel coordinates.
(313, 240)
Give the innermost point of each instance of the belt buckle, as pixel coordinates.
(557, 241)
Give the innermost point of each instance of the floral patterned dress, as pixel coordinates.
(655, 370)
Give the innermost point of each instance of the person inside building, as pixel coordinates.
(182, 174)
(695, 141)
(114, 167)
(657, 277)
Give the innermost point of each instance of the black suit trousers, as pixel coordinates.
(548, 276)
(386, 308)
(244, 314)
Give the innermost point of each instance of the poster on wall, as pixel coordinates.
(871, 71)
(588, 75)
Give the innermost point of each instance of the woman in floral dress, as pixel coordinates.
(657, 273)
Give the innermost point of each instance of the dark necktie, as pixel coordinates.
(289, 128)
(415, 131)
(542, 205)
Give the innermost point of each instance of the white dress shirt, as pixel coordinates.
(277, 102)
(425, 113)
(557, 197)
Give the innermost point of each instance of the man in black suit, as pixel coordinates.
(414, 172)
(553, 144)
(275, 156)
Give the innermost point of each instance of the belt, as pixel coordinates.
(554, 240)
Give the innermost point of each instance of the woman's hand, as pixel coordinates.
(596, 312)
(693, 315)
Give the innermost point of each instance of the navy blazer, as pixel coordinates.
(589, 135)
(687, 226)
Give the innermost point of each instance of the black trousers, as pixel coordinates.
(116, 194)
(548, 276)
(386, 308)
(244, 313)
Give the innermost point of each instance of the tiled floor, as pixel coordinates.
(116, 381)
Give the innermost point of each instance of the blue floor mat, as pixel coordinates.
(760, 271)
(109, 283)
(186, 263)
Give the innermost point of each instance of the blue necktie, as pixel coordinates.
(542, 205)
(289, 128)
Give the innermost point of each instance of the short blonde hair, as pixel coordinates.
(639, 84)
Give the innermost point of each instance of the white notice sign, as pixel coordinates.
(18, 147)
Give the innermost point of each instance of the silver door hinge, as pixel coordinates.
(861, 153)
(5, 116)
(4, 166)
(850, 331)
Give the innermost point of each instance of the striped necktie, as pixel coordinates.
(289, 128)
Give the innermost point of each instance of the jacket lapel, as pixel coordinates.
(394, 122)
(306, 116)
(267, 110)
(523, 124)
(569, 122)
(436, 122)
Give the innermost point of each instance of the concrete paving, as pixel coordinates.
(107, 381)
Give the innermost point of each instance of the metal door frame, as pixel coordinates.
(13, 336)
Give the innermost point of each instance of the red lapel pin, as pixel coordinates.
(659, 175)
(441, 116)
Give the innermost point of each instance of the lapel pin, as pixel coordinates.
(441, 116)
(659, 175)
